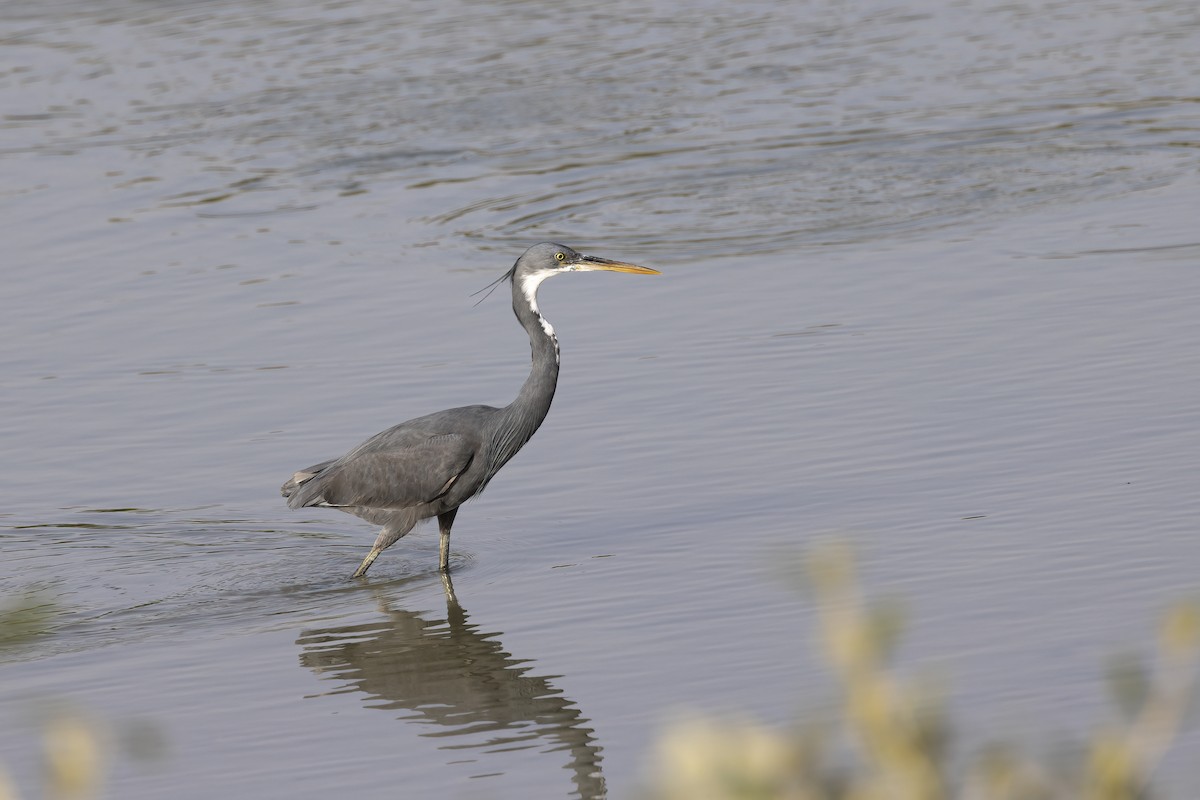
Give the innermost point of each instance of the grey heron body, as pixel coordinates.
(429, 466)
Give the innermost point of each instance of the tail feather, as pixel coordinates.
(300, 490)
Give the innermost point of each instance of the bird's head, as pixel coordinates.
(548, 259)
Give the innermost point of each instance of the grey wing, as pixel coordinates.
(387, 475)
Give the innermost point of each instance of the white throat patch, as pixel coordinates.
(529, 287)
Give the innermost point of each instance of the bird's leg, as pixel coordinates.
(385, 539)
(444, 523)
(366, 564)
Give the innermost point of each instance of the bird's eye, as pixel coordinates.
(561, 256)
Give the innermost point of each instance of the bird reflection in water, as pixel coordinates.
(451, 674)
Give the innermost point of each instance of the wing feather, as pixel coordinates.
(397, 472)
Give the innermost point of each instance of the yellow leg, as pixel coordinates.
(366, 564)
(444, 523)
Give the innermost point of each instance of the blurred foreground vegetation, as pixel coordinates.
(75, 748)
(889, 738)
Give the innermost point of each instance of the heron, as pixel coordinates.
(429, 466)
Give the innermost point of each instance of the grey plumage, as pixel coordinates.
(429, 466)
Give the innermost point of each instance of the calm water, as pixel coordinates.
(930, 283)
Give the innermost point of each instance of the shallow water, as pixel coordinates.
(929, 284)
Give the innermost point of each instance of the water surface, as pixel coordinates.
(929, 284)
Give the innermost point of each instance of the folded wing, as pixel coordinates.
(398, 472)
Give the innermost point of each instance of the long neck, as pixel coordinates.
(518, 420)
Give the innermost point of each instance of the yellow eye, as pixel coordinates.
(560, 256)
